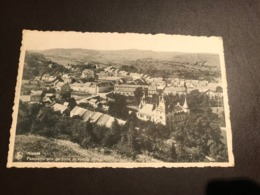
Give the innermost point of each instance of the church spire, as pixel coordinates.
(185, 105)
(162, 98)
(142, 103)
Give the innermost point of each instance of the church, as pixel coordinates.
(160, 112)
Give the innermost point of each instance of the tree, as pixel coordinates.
(173, 153)
(72, 103)
(138, 94)
(118, 108)
(219, 89)
(132, 140)
(196, 136)
(65, 95)
(45, 122)
(24, 121)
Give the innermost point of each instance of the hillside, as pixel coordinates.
(126, 57)
(36, 64)
(187, 65)
(63, 150)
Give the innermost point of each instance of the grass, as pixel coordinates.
(43, 149)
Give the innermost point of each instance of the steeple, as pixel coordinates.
(142, 103)
(161, 105)
(185, 105)
(162, 99)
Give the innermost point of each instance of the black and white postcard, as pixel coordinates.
(120, 100)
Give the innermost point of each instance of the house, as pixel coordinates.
(159, 112)
(127, 90)
(195, 82)
(48, 78)
(104, 87)
(62, 87)
(214, 94)
(116, 71)
(36, 95)
(81, 87)
(92, 88)
(67, 80)
(66, 76)
(29, 84)
(113, 79)
(25, 98)
(141, 81)
(152, 90)
(88, 74)
(111, 120)
(218, 110)
(174, 90)
(94, 102)
(148, 79)
(25, 82)
(103, 74)
(191, 85)
(79, 95)
(107, 69)
(49, 95)
(46, 100)
(77, 111)
(213, 86)
(135, 75)
(203, 83)
(122, 73)
(157, 81)
(105, 107)
(59, 108)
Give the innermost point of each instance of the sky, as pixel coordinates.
(42, 40)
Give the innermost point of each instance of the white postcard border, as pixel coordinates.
(10, 162)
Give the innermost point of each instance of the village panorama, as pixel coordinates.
(79, 105)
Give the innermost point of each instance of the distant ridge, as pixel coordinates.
(124, 57)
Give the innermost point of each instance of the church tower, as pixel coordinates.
(160, 111)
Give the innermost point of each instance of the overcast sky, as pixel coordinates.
(41, 40)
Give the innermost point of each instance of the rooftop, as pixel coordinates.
(77, 111)
(103, 120)
(147, 109)
(87, 115)
(96, 116)
(59, 107)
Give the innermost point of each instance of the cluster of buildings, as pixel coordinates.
(97, 118)
(160, 112)
(91, 83)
